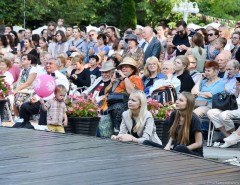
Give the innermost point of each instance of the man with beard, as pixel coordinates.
(181, 40)
(97, 89)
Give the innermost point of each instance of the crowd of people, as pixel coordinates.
(196, 63)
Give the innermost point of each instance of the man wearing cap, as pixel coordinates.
(152, 45)
(133, 50)
(97, 89)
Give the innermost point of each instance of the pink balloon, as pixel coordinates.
(44, 85)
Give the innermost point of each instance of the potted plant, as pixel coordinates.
(82, 115)
(5, 90)
(161, 114)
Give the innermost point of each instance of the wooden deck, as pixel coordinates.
(38, 157)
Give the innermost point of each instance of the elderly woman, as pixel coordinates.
(181, 64)
(133, 50)
(152, 72)
(211, 51)
(169, 80)
(124, 82)
(137, 122)
(208, 85)
(222, 119)
(60, 46)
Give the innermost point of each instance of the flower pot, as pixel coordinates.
(2, 106)
(82, 125)
(162, 129)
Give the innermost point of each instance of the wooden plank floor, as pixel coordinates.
(38, 157)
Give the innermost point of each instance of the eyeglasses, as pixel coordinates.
(229, 69)
(91, 35)
(210, 34)
(234, 38)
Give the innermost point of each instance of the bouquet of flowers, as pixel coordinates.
(80, 106)
(160, 111)
(5, 88)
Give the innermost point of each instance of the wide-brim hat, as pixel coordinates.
(131, 37)
(128, 61)
(107, 66)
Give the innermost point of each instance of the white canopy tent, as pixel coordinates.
(193, 26)
(38, 30)
(17, 28)
(213, 24)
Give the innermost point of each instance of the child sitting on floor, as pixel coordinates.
(56, 110)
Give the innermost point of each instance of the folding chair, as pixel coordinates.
(211, 129)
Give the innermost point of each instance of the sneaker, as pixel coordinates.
(233, 138)
(226, 145)
(18, 120)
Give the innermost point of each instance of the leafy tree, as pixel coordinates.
(128, 15)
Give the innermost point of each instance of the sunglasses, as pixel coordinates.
(180, 32)
(210, 34)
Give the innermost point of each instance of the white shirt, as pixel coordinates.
(60, 79)
(8, 78)
(146, 45)
(161, 82)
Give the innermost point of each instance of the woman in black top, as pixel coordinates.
(80, 76)
(185, 132)
(181, 64)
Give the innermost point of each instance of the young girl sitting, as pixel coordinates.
(56, 110)
(185, 132)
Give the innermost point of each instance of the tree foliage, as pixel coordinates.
(128, 15)
(148, 12)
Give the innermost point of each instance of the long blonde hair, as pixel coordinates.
(183, 134)
(141, 96)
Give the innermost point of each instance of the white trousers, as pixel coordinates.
(223, 118)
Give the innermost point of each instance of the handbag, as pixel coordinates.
(116, 98)
(105, 126)
(224, 101)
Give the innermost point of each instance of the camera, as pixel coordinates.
(117, 75)
(14, 51)
(238, 78)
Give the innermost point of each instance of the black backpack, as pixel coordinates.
(164, 94)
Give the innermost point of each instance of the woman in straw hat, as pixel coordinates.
(124, 82)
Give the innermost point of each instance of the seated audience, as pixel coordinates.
(222, 60)
(185, 132)
(152, 72)
(181, 64)
(197, 51)
(133, 50)
(80, 76)
(169, 80)
(222, 119)
(236, 43)
(94, 69)
(220, 43)
(208, 85)
(211, 50)
(192, 68)
(137, 122)
(125, 81)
